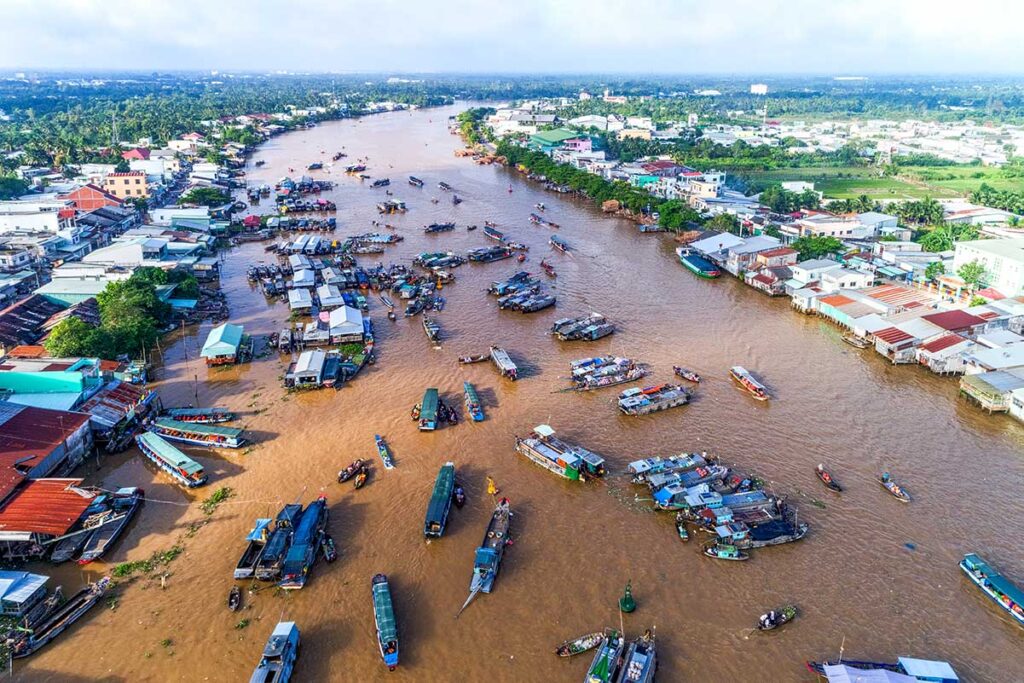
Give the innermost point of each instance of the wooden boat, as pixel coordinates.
(997, 587)
(381, 182)
(384, 618)
(268, 566)
(445, 186)
(504, 363)
(473, 405)
(440, 502)
(305, 545)
(432, 329)
(352, 470)
(360, 479)
(470, 228)
(698, 265)
(327, 548)
(854, 340)
(894, 489)
(474, 359)
(54, 623)
(827, 479)
(427, 415)
(494, 233)
(123, 506)
(279, 654)
(637, 401)
(747, 381)
(182, 468)
(684, 535)
(384, 452)
(257, 541)
(386, 300)
(608, 660)
(415, 182)
(213, 436)
(439, 227)
(459, 495)
(235, 598)
(640, 661)
(200, 415)
(776, 618)
(688, 375)
(577, 646)
(549, 269)
(724, 551)
(564, 459)
(559, 244)
(487, 562)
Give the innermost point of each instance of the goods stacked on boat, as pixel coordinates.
(605, 371)
(585, 328)
(522, 293)
(638, 401)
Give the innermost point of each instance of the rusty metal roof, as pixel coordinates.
(27, 430)
(954, 320)
(836, 300)
(45, 506)
(892, 336)
(943, 342)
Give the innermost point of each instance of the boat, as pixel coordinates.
(456, 199)
(305, 544)
(697, 264)
(213, 436)
(747, 381)
(608, 660)
(440, 502)
(855, 341)
(491, 224)
(911, 669)
(384, 617)
(643, 469)
(684, 535)
(432, 330)
(439, 227)
(487, 561)
(559, 244)
(445, 186)
(428, 411)
(54, 623)
(577, 646)
(601, 380)
(564, 459)
(996, 586)
(381, 182)
(637, 401)
(494, 233)
(473, 405)
(776, 618)
(504, 363)
(490, 254)
(386, 300)
(279, 655)
(327, 548)
(415, 182)
(384, 452)
(569, 329)
(315, 166)
(234, 598)
(549, 269)
(182, 468)
(894, 489)
(360, 479)
(474, 359)
(352, 470)
(688, 375)
(640, 661)
(200, 415)
(724, 551)
(124, 503)
(268, 566)
(827, 479)
(470, 228)
(539, 206)
(257, 541)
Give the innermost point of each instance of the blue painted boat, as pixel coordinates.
(641, 660)
(996, 586)
(305, 544)
(279, 655)
(487, 559)
(440, 502)
(473, 405)
(384, 452)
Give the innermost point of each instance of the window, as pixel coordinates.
(136, 181)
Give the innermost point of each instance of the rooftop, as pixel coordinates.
(1011, 248)
(45, 506)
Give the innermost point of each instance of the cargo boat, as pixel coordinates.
(487, 561)
(202, 435)
(642, 470)
(268, 567)
(641, 661)
(608, 660)
(698, 265)
(432, 330)
(428, 411)
(564, 459)
(123, 505)
(559, 244)
(440, 502)
(996, 586)
(439, 227)
(257, 541)
(637, 401)
(490, 254)
(504, 363)
(305, 544)
(182, 468)
(200, 415)
(384, 618)
(57, 621)
(494, 233)
(747, 381)
(472, 400)
(279, 654)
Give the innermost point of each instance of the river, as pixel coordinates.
(873, 575)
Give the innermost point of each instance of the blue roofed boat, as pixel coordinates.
(487, 559)
(384, 616)
(473, 405)
(268, 567)
(643, 469)
(440, 502)
(997, 587)
(305, 543)
(256, 542)
(279, 655)
(698, 264)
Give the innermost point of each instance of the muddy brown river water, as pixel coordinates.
(875, 575)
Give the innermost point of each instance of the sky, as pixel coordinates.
(525, 36)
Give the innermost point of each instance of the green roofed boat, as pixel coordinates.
(440, 502)
(996, 586)
(384, 615)
(213, 436)
(608, 660)
(698, 265)
(428, 411)
(184, 469)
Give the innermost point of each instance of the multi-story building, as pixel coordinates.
(1003, 260)
(127, 185)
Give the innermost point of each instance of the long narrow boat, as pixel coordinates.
(996, 586)
(607, 661)
(428, 411)
(559, 244)
(268, 567)
(494, 233)
(473, 405)
(305, 545)
(124, 504)
(641, 660)
(911, 668)
(487, 561)
(698, 265)
(384, 617)
(257, 541)
(200, 415)
(642, 470)
(440, 502)
(182, 468)
(384, 452)
(894, 489)
(747, 381)
(503, 361)
(415, 182)
(213, 436)
(432, 329)
(564, 459)
(279, 655)
(54, 623)
(637, 401)
(577, 646)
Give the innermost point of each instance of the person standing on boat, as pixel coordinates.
(492, 489)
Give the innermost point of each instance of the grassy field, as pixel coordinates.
(964, 179)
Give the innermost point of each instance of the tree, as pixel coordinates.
(934, 270)
(724, 222)
(11, 187)
(978, 301)
(122, 166)
(69, 337)
(816, 246)
(204, 196)
(973, 273)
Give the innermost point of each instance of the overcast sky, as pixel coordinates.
(652, 36)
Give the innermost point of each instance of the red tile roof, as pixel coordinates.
(124, 174)
(45, 506)
(943, 342)
(953, 320)
(990, 294)
(893, 336)
(137, 153)
(779, 251)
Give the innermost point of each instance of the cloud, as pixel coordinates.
(664, 36)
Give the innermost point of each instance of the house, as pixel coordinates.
(39, 442)
(1003, 260)
(964, 213)
(35, 511)
(136, 153)
(768, 279)
(806, 273)
(127, 185)
(330, 297)
(300, 300)
(741, 256)
(994, 391)
(548, 140)
(89, 197)
(836, 279)
(222, 344)
(876, 221)
(779, 256)
(166, 216)
(307, 371)
(303, 278)
(51, 216)
(945, 354)
(346, 325)
(957, 321)
(982, 360)
(20, 592)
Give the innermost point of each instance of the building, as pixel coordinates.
(330, 297)
(137, 153)
(548, 140)
(346, 325)
(222, 344)
(20, 591)
(307, 371)
(758, 89)
(89, 197)
(1003, 260)
(127, 185)
(44, 216)
(300, 300)
(39, 510)
(37, 442)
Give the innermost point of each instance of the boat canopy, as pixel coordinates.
(928, 670)
(841, 673)
(484, 557)
(994, 578)
(428, 410)
(442, 495)
(169, 454)
(198, 412)
(384, 612)
(259, 532)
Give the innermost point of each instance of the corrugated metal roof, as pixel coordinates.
(943, 342)
(35, 431)
(954, 320)
(836, 300)
(45, 506)
(895, 295)
(892, 335)
(113, 402)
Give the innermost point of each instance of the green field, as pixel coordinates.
(964, 179)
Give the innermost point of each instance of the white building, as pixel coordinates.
(1003, 260)
(758, 89)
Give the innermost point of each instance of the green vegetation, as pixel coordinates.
(818, 246)
(205, 196)
(11, 187)
(945, 236)
(147, 566)
(784, 201)
(209, 506)
(935, 270)
(1007, 200)
(973, 273)
(469, 125)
